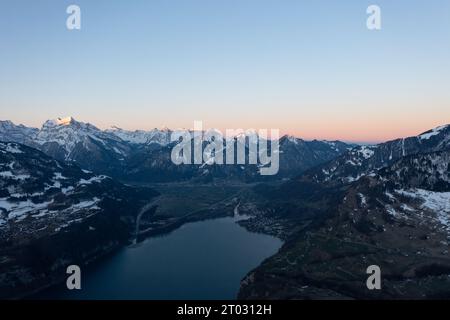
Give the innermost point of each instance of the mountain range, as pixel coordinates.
(145, 155)
(363, 160)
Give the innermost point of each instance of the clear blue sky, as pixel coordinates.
(310, 68)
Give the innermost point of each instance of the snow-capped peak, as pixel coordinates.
(292, 139)
(158, 136)
(430, 133)
(65, 121)
(67, 132)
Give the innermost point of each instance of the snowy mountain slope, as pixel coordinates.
(397, 218)
(9, 132)
(54, 214)
(66, 139)
(68, 133)
(35, 187)
(156, 136)
(415, 190)
(363, 160)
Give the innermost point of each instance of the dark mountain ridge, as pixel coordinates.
(362, 160)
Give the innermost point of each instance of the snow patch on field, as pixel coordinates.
(56, 185)
(9, 174)
(19, 209)
(366, 152)
(363, 199)
(438, 202)
(86, 204)
(390, 196)
(67, 190)
(13, 149)
(96, 179)
(392, 212)
(350, 179)
(59, 176)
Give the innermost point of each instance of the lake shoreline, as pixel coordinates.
(224, 252)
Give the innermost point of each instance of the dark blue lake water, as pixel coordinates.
(202, 260)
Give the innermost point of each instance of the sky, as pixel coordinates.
(309, 68)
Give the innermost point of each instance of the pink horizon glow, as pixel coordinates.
(349, 131)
